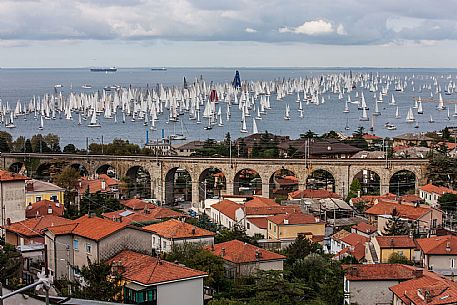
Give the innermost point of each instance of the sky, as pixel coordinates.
(228, 33)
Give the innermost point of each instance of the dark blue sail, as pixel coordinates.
(237, 81)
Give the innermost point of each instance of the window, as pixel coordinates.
(434, 223)
(275, 229)
(37, 198)
(248, 225)
(452, 260)
(164, 244)
(88, 247)
(270, 225)
(75, 244)
(54, 198)
(153, 240)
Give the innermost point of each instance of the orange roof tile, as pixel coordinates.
(309, 193)
(365, 228)
(404, 210)
(357, 251)
(136, 204)
(272, 210)
(292, 219)
(238, 252)
(9, 176)
(156, 213)
(379, 272)
(354, 239)
(440, 190)
(258, 201)
(95, 185)
(439, 245)
(35, 226)
(227, 207)
(259, 222)
(40, 208)
(175, 229)
(149, 270)
(398, 241)
(340, 234)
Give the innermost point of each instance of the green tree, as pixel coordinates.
(354, 189)
(448, 201)
(236, 232)
(28, 146)
(442, 170)
(203, 222)
(301, 248)
(69, 180)
(10, 265)
(395, 225)
(100, 282)
(4, 147)
(397, 258)
(69, 149)
(19, 144)
(7, 137)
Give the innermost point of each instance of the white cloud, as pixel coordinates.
(250, 30)
(340, 30)
(312, 28)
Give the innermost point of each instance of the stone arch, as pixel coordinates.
(247, 181)
(211, 182)
(43, 171)
(17, 167)
(321, 179)
(282, 182)
(178, 185)
(403, 182)
(137, 182)
(106, 169)
(80, 168)
(370, 181)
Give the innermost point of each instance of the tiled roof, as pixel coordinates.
(365, 228)
(439, 245)
(149, 270)
(35, 226)
(259, 222)
(292, 219)
(9, 176)
(227, 207)
(440, 190)
(368, 136)
(340, 234)
(357, 251)
(95, 185)
(398, 241)
(176, 229)
(94, 228)
(150, 214)
(136, 204)
(404, 210)
(379, 272)
(319, 194)
(238, 252)
(371, 198)
(42, 186)
(258, 201)
(40, 208)
(430, 289)
(354, 239)
(272, 210)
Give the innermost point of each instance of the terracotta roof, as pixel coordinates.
(368, 136)
(238, 252)
(430, 289)
(258, 201)
(136, 204)
(410, 198)
(292, 219)
(439, 245)
(9, 176)
(176, 229)
(94, 228)
(440, 190)
(40, 208)
(371, 198)
(398, 241)
(227, 207)
(357, 251)
(95, 185)
(379, 272)
(365, 228)
(354, 239)
(313, 194)
(272, 210)
(129, 216)
(34, 226)
(340, 234)
(34, 185)
(259, 222)
(149, 270)
(404, 210)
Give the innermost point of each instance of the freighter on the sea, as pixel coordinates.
(103, 69)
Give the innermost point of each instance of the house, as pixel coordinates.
(369, 284)
(312, 194)
(70, 246)
(226, 213)
(425, 218)
(189, 148)
(161, 147)
(150, 280)
(174, 232)
(335, 241)
(354, 245)
(412, 139)
(380, 248)
(30, 231)
(285, 228)
(256, 226)
(364, 229)
(430, 288)
(103, 184)
(37, 190)
(43, 208)
(439, 254)
(317, 148)
(431, 193)
(12, 195)
(151, 213)
(243, 259)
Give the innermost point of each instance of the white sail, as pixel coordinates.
(364, 115)
(243, 126)
(441, 103)
(397, 114)
(410, 116)
(254, 127)
(419, 108)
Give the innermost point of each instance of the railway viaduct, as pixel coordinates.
(161, 169)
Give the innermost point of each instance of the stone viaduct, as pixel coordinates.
(162, 169)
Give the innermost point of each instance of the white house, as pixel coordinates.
(431, 193)
(12, 192)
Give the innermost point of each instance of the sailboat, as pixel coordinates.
(243, 126)
(346, 107)
(347, 124)
(364, 116)
(79, 118)
(419, 109)
(410, 116)
(392, 100)
(455, 110)
(11, 122)
(376, 109)
(41, 123)
(287, 113)
(397, 114)
(221, 124)
(441, 103)
(254, 127)
(431, 120)
(93, 120)
(178, 136)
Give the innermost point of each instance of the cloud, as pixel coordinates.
(314, 27)
(250, 30)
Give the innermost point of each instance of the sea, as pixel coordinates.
(23, 84)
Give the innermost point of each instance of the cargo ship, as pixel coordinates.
(102, 69)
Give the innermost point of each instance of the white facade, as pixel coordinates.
(252, 229)
(189, 292)
(368, 292)
(430, 198)
(12, 202)
(162, 244)
(224, 220)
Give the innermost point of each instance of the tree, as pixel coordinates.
(448, 201)
(19, 144)
(309, 135)
(354, 189)
(4, 145)
(68, 178)
(100, 282)
(395, 225)
(301, 248)
(10, 265)
(236, 232)
(203, 222)
(442, 170)
(69, 149)
(53, 141)
(397, 258)
(28, 146)
(7, 137)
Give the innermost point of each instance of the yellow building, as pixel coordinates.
(37, 190)
(287, 227)
(380, 248)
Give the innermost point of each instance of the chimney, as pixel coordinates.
(193, 231)
(392, 242)
(418, 273)
(49, 209)
(223, 252)
(286, 221)
(29, 206)
(29, 186)
(8, 221)
(448, 246)
(103, 185)
(258, 254)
